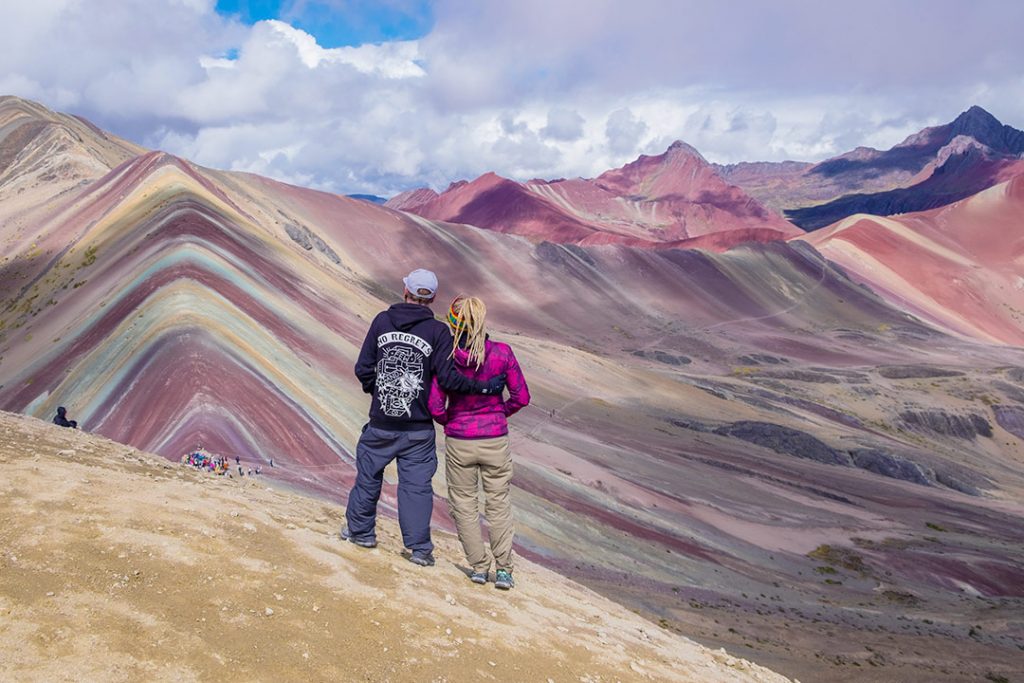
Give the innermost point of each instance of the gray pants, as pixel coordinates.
(417, 462)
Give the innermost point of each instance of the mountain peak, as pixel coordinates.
(681, 148)
(976, 118)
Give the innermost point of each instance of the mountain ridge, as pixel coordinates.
(900, 179)
(657, 201)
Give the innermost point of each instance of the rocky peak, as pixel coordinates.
(680, 148)
(961, 144)
(987, 129)
(976, 119)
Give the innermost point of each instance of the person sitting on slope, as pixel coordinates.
(61, 418)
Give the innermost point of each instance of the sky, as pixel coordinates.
(355, 96)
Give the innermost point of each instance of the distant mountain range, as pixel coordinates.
(932, 168)
(677, 199)
(372, 198)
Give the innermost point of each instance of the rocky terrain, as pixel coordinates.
(119, 566)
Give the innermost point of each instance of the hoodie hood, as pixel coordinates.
(406, 316)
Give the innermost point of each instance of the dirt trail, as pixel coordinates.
(116, 565)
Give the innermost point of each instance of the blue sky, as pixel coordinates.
(338, 23)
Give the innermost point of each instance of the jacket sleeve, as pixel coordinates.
(437, 403)
(366, 364)
(448, 376)
(519, 393)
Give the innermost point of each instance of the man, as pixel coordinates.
(404, 350)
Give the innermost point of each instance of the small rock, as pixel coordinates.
(49, 594)
(289, 525)
(278, 597)
(268, 612)
(493, 663)
(447, 631)
(316, 608)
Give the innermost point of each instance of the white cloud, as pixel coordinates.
(494, 87)
(624, 131)
(563, 124)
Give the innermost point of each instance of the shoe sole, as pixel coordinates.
(504, 586)
(421, 563)
(479, 580)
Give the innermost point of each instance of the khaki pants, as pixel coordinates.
(468, 463)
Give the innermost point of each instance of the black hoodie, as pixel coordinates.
(404, 350)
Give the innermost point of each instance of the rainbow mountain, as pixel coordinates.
(709, 431)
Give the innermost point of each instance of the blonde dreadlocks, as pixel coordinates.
(466, 317)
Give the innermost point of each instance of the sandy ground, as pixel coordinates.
(118, 566)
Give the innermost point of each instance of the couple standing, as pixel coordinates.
(417, 370)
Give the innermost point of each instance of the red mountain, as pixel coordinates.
(673, 199)
(956, 267)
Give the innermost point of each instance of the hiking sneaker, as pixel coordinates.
(346, 535)
(423, 558)
(478, 577)
(503, 579)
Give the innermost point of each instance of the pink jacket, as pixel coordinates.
(475, 416)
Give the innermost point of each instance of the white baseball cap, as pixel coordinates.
(419, 280)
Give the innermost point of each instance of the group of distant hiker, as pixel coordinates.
(418, 369)
(218, 464)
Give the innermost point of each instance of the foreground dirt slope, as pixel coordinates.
(118, 566)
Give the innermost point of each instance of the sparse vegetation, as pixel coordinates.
(90, 256)
(837, 556)
(934, 527)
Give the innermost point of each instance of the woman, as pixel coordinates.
(476, 441)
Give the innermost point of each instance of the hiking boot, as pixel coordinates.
(478, 577)
(423, 558)
(362, 542)
(503, 579)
